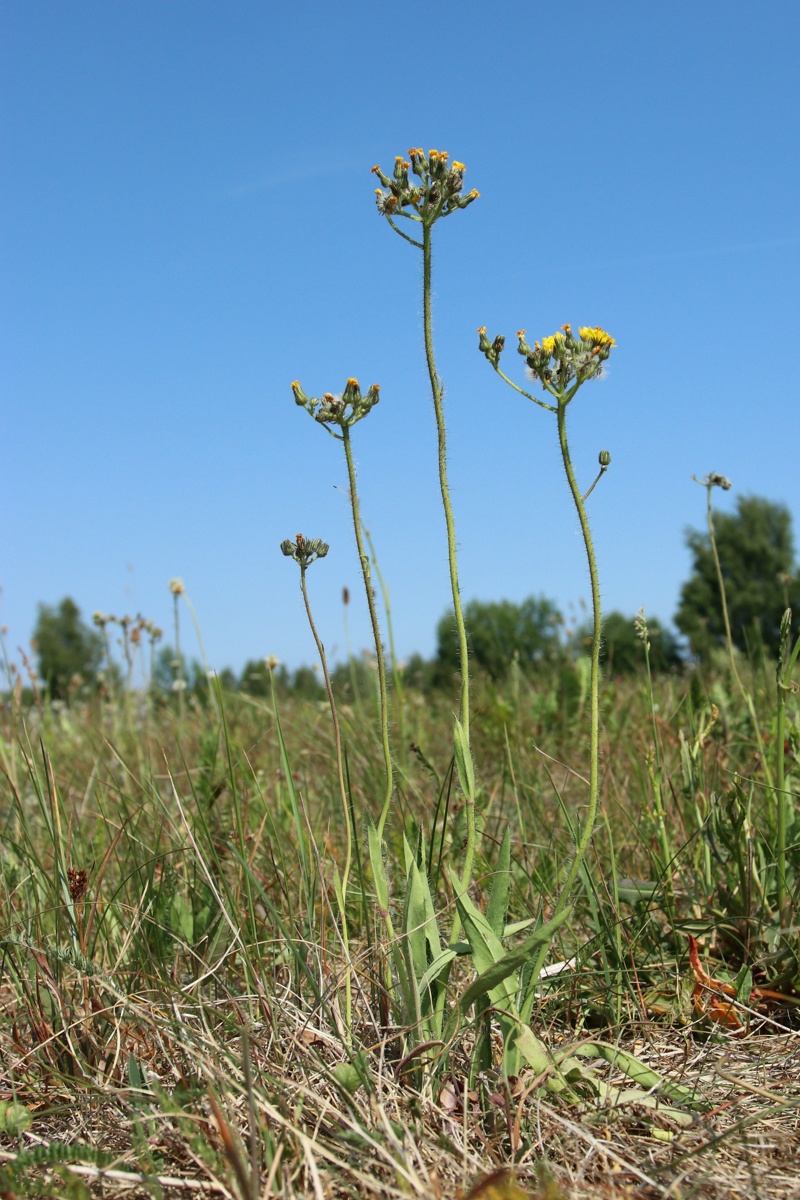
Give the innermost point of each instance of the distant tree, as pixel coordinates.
(497, 632)
(418, 673)
(227, 679)
(756, 552)
(307, 684)
(255, 681)
(67, 649)
(623, 650)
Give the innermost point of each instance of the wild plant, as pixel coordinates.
(504, 987)
(306, 551)
(437, 194)
(562, 364)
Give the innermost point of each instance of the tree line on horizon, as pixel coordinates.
(756, 551)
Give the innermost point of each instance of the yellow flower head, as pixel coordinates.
(459, 166)
(548, 345)
(481, 329)
(520, 333)
(353, 382)
(596, 335)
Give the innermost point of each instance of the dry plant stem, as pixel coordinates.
(437, 393)
(342, 791)
(376, 633)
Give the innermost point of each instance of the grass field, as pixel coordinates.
(537, 938)
(174, 1019)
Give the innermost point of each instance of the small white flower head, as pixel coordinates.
(177, 587)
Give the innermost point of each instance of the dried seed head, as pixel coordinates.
(78, 880)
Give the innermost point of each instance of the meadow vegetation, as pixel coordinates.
(521, 921)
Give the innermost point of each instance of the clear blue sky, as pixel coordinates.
(188, 225)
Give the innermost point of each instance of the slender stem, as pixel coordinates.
(376, 632)
(437, 392)
(729, 641)
(397, 678)
(342, 791)
(404, 236)
(594, 684)
(584, 835)
(181, 682)
(522, 392)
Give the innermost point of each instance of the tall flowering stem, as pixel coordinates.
(341, 413)
(437, 194)
(306, 551)
(562, 364)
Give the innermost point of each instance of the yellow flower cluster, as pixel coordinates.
(596, 335)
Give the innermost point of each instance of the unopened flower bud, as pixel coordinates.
(604, 458)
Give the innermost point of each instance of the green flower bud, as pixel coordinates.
(604, 458)
(492, 350)
(304, 550)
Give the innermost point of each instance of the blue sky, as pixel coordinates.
(188, 225)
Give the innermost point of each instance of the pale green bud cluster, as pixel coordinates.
(559, 360)
(304, 550)
(438, 193)
(345, 410)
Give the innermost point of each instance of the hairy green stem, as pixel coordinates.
(437, 392)
(376, 632)
(729, 641)
(585, 833)
(397, 677)
(342, 791)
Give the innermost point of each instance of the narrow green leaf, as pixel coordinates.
(378, 869)
(512, 960)
(641, 1074)
(466, 771)
(501, 887)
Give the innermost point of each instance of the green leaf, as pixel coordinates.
(536, 1056)
(354, 1074)
(466, 771)
(490, 978)
(378, 869)
(638, 1071)
(501, 887)
(14, 1118)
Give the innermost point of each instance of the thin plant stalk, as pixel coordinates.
(363, 558)
(657, 775)
(343, 793)
(438, 194)
(179, 683)
(786, 665)
(562, 364)
(305, 552)
(437, 393)
(397, 678)
(344, 412)
(710, 482)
